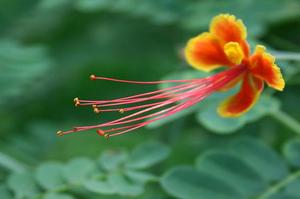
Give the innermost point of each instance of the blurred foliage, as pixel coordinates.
(22, 64)
(115, 172)
(48, 49)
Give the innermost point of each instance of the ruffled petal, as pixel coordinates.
(227, 28)
(262, 65)
(205, 52)
(241, 102)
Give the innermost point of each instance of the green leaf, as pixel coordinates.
(147, 154)
(255, 14)
(10, 163)
(22, 185)
(291, 151)
(123, 186)
(93, 5)
(283, 196)
(261, 158)
(57, 196)
(210, 119)
(22, 64)
(139, 177)
(78, 170)
(111, 160)
(231, 170)
(99, 186)
(49, 175)
(4, 192)
(52, 4)
(293, 188)
(189, 183)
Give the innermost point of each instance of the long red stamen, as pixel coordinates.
(93, 77)
(129, 99)
(154, 105)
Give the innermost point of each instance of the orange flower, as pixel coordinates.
(225, 45)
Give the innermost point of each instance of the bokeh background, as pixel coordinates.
(48, 49)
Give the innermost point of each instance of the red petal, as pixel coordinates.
(262, 66)
(227, 28)
(205, 52)
(241, 102)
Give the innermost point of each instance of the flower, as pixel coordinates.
(224, 45)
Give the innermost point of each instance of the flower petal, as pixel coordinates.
(231, 84)
(263, 66)
(227, 28)
(241, 102)
(205, 52)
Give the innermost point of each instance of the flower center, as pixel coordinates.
(234, 52)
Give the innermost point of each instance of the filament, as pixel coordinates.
(155, 105)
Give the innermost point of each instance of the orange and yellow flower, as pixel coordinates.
(224, 45)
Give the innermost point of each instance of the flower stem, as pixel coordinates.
(287, 120)
(287, 55)
(281, 184)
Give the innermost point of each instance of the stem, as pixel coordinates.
(287, 120)
(275, 188)
(287, 55)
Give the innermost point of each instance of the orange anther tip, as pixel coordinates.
(96, 110)
(77, 103)
(59, 133)
(92, 77)
(106, 135)
(101, 132)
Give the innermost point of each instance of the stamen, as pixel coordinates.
(135, 98)
(100, 132)
(76, 101)
(97, 110)
(106, 136)
(92, 77)
(155, 105)
(60, 133)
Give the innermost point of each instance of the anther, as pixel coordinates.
(76, 101)
(59, 133)
(106, 135)
(96, 110)
(122, 110)
(101, 132)
(92, 77)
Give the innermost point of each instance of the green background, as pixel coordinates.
(48, 50)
